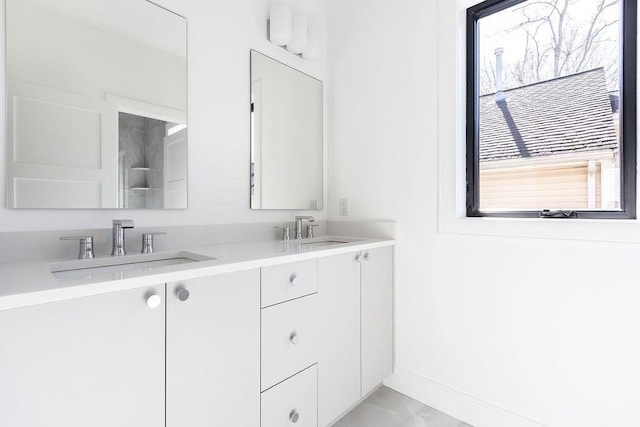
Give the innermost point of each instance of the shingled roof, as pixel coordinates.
(569, 114)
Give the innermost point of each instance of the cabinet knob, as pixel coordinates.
(293, 338)
(367, 256)
(294, 280)
(153, 301)
(358, 257)
(182, 294)
(294, 416)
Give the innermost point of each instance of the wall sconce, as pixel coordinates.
(299, 30)
(312, 52)
(280, 24)
(292, 32)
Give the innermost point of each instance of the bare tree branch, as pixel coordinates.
(559, 37)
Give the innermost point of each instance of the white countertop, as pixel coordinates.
(30, 283)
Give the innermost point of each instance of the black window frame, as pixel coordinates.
(628, 65)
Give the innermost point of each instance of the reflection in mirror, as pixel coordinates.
(145, 146)
(286, 137)
(96, 108)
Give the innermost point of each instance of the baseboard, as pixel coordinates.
(352, 407)
(455, 403)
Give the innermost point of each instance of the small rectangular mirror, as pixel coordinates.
(96, 105)
(286, 137)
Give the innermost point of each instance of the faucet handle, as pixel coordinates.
(310, 227)
(86, 246)
(286, 232)
(124, 223)
(147, 241)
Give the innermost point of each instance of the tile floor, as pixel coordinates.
(388, 408)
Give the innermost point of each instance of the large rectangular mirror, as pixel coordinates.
(286, 137)
(96, 105)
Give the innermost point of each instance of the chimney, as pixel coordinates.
(499, 93)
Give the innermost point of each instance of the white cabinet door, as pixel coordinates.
(377, 316)
(339, 354)
(292, 402)
(95, 361)
(62, 149)
(286, 282)
(289, 339)
(213, 351)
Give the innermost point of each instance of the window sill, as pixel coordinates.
(596, 230)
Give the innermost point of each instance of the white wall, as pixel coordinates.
(497, 322)
(220, 35)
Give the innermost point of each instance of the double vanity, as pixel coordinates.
(266, 333)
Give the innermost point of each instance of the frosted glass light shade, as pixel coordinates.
(298, 42)
(312, 52)
(280, 20)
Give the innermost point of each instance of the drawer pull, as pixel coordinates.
(294, 280)
(153, 301)
(293, 338)
(294, 416)
(182, 294)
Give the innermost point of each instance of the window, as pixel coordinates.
(551, 108)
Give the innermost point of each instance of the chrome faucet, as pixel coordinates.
(119, 225)
(298, 224)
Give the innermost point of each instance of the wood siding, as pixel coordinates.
(559, 187)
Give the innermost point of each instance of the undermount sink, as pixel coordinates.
(324, 242)
(122, 267)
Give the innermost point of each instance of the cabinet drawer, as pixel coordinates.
(295, 399)
(289, 339)
(288, 281)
